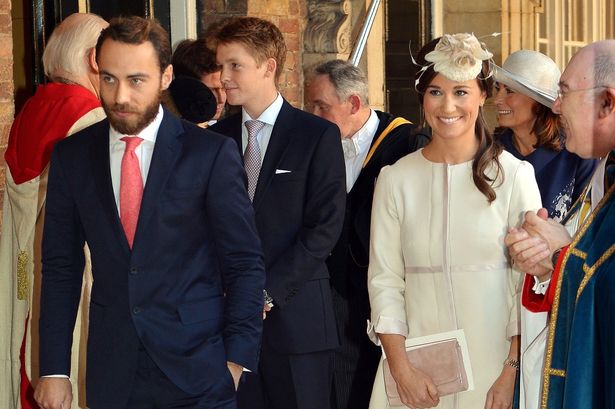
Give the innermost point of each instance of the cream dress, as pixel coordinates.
(429, 219)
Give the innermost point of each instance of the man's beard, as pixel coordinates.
(127, 127)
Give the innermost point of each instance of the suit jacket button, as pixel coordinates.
(134, 271)
(136, 310)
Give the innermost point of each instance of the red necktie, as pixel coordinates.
(131, 188)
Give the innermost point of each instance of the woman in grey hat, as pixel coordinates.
(526, 87)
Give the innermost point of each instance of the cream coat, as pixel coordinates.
(429, 219)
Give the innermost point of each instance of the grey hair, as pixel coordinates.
(604, 69)
(67, 50)
(346, 79)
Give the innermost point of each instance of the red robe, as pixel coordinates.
(541, 302)
(45, 119)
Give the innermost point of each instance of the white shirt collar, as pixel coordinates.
(356, 153)
(364, 136)
(362, 139)
(148, 133)
(597, 183)
(269, 115)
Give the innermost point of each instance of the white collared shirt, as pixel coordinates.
(144, 152)
(362, 140)
(269, 116)
(597, 183)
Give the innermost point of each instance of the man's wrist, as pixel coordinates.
(512, 363)
(555, 256)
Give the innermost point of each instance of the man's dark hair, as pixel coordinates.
(137, 30)
(192, 58)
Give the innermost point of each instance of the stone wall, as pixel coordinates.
(7, 105)
(481, 17)
(519, 26)
(289, 16)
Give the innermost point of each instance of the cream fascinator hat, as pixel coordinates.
(532, 74)
(459, 57)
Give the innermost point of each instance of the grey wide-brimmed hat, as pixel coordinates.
(532, 74)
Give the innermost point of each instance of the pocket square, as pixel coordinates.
(280, 171)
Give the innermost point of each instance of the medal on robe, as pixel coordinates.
(22, 275)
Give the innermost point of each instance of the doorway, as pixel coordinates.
(408, 24)
(34, 22)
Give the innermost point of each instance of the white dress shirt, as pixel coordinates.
(268, 117)
(362, 140)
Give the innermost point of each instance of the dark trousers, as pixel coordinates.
(297, 381)
(355, 362)
(153, 390)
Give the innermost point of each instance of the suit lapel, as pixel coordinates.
(166, 152)
(99, 152)
(275, 149)
(232, 127)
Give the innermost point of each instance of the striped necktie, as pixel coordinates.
(252, 156)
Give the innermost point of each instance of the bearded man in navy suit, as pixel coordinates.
(176, 303)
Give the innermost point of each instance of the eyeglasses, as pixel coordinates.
(563, 93)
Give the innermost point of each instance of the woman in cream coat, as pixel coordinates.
(438, 260)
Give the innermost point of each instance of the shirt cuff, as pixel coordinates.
(540, 288)
(386, 325)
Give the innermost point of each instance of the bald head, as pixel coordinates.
(587, 100)
(596, 63)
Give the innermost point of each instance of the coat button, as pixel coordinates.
(134, 271)
(136, 310)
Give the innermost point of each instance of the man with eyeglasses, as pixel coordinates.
(574, 263)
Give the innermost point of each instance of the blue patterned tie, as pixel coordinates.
(252, 155)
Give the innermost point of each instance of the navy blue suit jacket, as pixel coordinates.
(189, 292)
(299, 204)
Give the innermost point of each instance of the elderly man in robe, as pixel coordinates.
(58, 109)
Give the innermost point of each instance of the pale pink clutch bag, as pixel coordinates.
(442, 361)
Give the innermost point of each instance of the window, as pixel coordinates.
(565, 26)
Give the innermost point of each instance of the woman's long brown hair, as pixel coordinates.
(488, 149)
(546, 128)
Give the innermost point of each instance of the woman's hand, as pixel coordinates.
(500, 395)
(415, 388)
